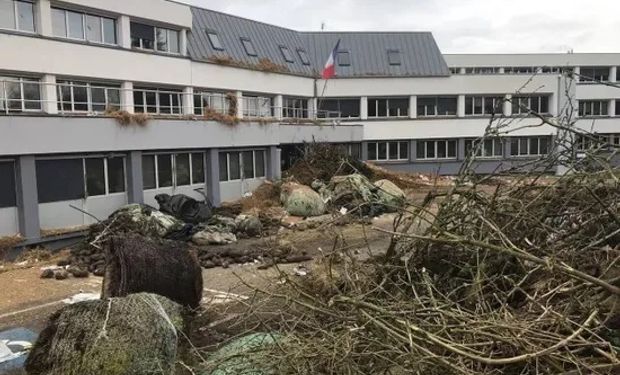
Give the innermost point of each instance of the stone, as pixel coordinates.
(78, 272)
(301, 200)
(249, 225)
(47, 274)
(61, 275)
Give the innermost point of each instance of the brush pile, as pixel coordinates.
(524, 279)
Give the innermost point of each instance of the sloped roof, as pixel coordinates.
(420, 56)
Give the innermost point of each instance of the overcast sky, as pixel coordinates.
(459, 26)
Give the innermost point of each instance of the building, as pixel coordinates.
(228, 99)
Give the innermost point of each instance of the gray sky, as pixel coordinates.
(459, 26)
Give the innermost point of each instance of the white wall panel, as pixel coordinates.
(9, 221)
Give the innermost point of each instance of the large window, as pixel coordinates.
(484, 105)
(157, 101)
(529, 146)
(594, 74)
(589, 108)
(154, 38)
(173, 170)
(237, 165)
(87, 97)
(339, 108)
(523, 105)
(432, 106)
(257, 106)
(104, 176)
(388, 151)
(295, 108)
(19, 95)
(77, 25)
(7, 184)
(392, 107)
(521, 70)
(436, 149)
(17, 15)
(482, 70)
(487, 148)
(211, 101)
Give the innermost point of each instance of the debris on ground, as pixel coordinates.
(137, 264)
(137, 334)
(14, 347)
(81, 297)
(185, 208)
(244, 355)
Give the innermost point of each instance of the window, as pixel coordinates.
(286, 53)
(60, 180)
(87, 97)
(164, 171)
(236, 165)
(394, 107)
(182, 168)
(394, 150)
(436, 149)
(436, 106)
(198, 168)
(617, 107)
(214, 39)
(339, 108)
(615, 140)
(17, 15)
(484, 105)
(394, 57)
(157, 101)
(344, 58)
(249, 47)
(529, 146)
(116, 174)
(590, 108)
(520, 70)
(8, 197)
(482, 70)
(591, 142)
(76, 25)
(149, 175)
(523, 105)
(487, 148)
(95, 177)
(104, 176)
(303, 56)
(257, 106)
(154, 38)
(594, 74)
(295, 108)
(173, 170)
(211, 101)
(19, 95)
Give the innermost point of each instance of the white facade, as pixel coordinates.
(165, 81)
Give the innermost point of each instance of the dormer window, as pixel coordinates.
(286, 53)
(394, 57)
(214, 39)
(249, 47)
(303, 56)
(344, 58)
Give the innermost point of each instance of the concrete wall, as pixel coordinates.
(321, 133)
(59, 215)
(233, 190)
(9, 221)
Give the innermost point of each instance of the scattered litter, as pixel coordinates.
(81, 297)
(301, 270)
(343, 211)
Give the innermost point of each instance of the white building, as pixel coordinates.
(70, 69)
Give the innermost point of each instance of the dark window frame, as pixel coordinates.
(303, 56)
(215, 40)
(342, 60)
(248, 46)
(286, 54)
(394, 57)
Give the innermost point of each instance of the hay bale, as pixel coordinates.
(137, 334)
(301, 200)
(137, 264)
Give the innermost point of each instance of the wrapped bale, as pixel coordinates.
(390, 195)
(136, 264)
(301, 200)
(138, 334)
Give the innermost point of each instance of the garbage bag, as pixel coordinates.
(185, 208)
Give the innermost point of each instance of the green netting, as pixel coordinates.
(138, 334)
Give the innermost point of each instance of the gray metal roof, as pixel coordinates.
(420, 56)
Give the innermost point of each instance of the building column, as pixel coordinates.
(502, 70)
(413, 106)
(135, 184)
(43, 17)
(413, 150)
(460, 106)
(274, 171)
(239, 96)
(460, 149)
(313, 108)
(28, 197)
(183, 42)
(462, 70)
(508, 105)
(127, 103)
(364, 151)
(49, 94)
(278, 107)
(612, 107)
(188, 101)
(364, 108)
(577, 71)
(613, 74)
(213, 177)
(124, 31)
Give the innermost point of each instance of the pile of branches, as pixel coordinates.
(519, 278)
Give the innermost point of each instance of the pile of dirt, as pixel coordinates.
(7, 243)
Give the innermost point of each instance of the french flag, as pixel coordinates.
(330, 66)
